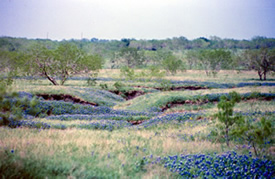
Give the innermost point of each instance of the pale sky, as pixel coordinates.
(139, 19)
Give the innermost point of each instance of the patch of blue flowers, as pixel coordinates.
(228, 165)
(98, 125)
(178, 117)
(69, 117)
(219, 85)
(60, 108)
(175, 82)
(22, 94)
(29, 124)
(101, 97)
(109, 125)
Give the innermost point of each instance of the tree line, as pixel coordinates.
(60, 60)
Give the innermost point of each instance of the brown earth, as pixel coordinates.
(136, 122)
(66, 98)
(129, 94)
(179, 103)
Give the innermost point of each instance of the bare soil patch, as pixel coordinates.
(129, 94)
(178, 88)
(136, 122)
(66, 98)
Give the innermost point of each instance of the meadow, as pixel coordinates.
(161, 131)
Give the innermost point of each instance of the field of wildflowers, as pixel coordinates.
(135, 138)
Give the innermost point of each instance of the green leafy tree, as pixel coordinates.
(155, 72)
(10, 62)
(172, 64)
(192, 58)
(261, 60)
(63, 62)
(130, 57)
(225, 114)
(213, 61)
(127, 73)
(42, 62)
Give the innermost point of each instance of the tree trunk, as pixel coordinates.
(265, 75)
(260, 75)
(64, 77)
(255, 149)
(52, 80)
(226, 136)
(63, 80)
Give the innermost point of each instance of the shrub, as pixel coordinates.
(127, 73)
(12, 105)
(91, 81)
(258, 134)
(225, 115)
(103, 86)
(172, 64)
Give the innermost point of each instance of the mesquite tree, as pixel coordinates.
(61, 63)
(260, 60)
(212, 61)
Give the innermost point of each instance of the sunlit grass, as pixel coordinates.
(109, 149)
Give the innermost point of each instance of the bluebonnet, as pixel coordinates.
(227, 165)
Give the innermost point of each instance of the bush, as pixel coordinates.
(12, 105)
(103, 86)
(127, 73)
(172, 64)
(258, 134)
(225, 115)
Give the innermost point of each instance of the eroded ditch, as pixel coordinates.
(128, 95)
(202, 102)
(178, 88)
(66, 98)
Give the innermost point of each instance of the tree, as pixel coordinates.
(214, 60)
(61, 63)
(10, 62)
(130, 57)
(225, 115)
(192, 58)
(258, 134)
(127, 73)
(261, 60)
(172, 64)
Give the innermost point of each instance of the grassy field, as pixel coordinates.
(83, 141)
